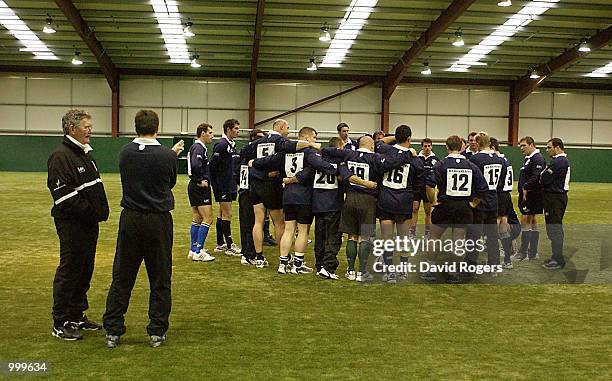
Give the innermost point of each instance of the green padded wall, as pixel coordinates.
(23, 153)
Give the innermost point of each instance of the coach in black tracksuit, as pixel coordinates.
(79, 205)
(148, 174)
(555, 183)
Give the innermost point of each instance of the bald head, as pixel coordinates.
(281, 126)
(366, 142)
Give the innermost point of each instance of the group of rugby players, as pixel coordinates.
(346, 186)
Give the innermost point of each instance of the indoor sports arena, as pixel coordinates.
(306, 189)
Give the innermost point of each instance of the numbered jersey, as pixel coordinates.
(244, 177)
(493, 168)
(361, 170)
(509, 181)
(457, 179)
(269, 145)
(265, 149)
(459, 182)
(397, 178)
(294, 163)
(492, 173)
(324, 181)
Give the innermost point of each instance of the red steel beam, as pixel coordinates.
(88, 36)
(115, 113)
(448, 16)
(513, 119)
(261, 4)
(525, 85)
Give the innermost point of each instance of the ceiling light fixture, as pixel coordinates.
(458, 40)
(504, 3)
(601, 72)
(170, 24)
(194, 61)
(534, 74)
(48, 28)
(76, 59)
(187, 32)
(344, 37)
(426, 69)
(502, 33)
(324, 36)
(20, 31)
(584, 46)
(312, 66)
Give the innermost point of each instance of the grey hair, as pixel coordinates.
(73, 118)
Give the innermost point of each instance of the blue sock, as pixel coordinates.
(194, 235)
(202, 233)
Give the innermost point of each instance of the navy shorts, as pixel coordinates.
(300, 213)
(198, 196)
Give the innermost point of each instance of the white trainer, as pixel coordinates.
(261, 263)
(221, 249)
(306, 269)
(233, 250)
(246, 261)
(326, 274)
(350, 275)
(364, 277)
(190, 255)
(203, 256)
(282, 268)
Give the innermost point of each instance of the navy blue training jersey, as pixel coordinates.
(302, 165)
(530, 172)
(351, 144)
(364, 164)
(467, 153)
(457, 179)
(556, 177)
(267, 146)
(243, 168)
(398, 185)
(328, 190)
(508, 182)
(493, 169)
(428, 161)
(197, 162)
(222, 166)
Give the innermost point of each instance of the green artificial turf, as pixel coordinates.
(233, 322)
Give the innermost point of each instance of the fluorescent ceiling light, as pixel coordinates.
(503, 32)
(504, 3)
(602, 72)
(354, 19)
(169, 20)
(20, 31)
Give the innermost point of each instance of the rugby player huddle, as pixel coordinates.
(344, 188)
